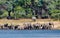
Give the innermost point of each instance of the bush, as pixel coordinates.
(3, 14)
(29, 16)
(55, 14)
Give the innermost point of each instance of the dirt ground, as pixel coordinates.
(21, 21)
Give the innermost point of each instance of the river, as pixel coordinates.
(29, 33)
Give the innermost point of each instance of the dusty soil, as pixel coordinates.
(21, 21)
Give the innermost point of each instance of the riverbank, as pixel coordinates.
(22, 21)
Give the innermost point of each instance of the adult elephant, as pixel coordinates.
(36, 26)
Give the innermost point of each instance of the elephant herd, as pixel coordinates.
(28, 26)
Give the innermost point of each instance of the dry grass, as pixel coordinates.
(21, 21)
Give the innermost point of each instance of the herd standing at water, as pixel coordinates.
(28, 26)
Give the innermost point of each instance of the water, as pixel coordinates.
(29, 33)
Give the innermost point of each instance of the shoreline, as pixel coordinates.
(22, 21)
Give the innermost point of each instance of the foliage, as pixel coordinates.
(26, 8)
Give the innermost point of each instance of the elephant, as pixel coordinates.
(5, 26)
(16, 27)
(48, 26)
(11, 27)
(1, 27)
(28, 26)
(36, 26)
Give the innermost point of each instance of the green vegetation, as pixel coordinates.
(27, 8)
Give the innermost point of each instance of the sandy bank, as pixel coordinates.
(21, 21)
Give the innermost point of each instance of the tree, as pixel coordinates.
(54, 8)
(8, 8)
(37, 8)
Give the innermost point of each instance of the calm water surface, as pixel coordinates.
(29, 33)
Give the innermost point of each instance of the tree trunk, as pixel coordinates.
(26, 12)
(9, 15)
